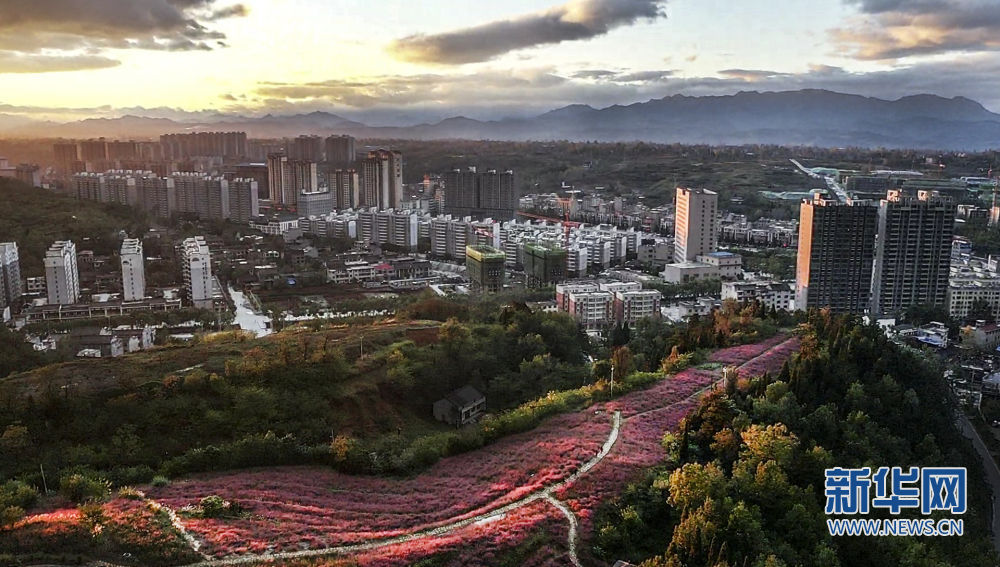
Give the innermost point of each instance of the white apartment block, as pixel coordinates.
(197, 266)
(592, 309)
(775, 295)
(133, 270)
(62, 278)
(11, 289)
(695, 231)
(633, 305)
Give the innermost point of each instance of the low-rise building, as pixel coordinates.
(684, 272)
(461, 407)
(631, 306)
(728, 265)
(774, 295)
(593, 310)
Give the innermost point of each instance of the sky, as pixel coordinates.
(405, 61)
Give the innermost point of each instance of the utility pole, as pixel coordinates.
(612, 378)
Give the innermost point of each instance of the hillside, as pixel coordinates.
(579, 445)
(34, 218)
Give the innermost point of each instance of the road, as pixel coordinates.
(992, 473)
(831, 183)
(246, 317)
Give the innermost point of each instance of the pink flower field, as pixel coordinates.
(303, 508)
(298, 508)
(483, 545)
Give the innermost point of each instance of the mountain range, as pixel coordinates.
(803, 117)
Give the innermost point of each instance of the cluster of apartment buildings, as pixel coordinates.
(597, 305)
(62, 290)
(203, 196)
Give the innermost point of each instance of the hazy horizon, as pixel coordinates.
(406, 63)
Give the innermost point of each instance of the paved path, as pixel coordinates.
(992, 472)
(572, 528)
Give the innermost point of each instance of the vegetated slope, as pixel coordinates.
(743, 480)
(293, 509)
(230, 401)
(34, 218)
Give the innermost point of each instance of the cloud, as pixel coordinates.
(495, 93)
(751, 75)
(896, 29)
(574, 20)
(25, 63)
(58, 35)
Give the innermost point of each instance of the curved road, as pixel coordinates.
(992, 472)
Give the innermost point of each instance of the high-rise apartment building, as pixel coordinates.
(11, 289)
(197, 266)
(133, 270)
(345, 185)
(480, 194)
(204, 196)
(912, 252)
(303, 177)
(244, 203)
(94, 150)
(340, 152)
(62, 278)
(306, 148)
(229, 145)
(835, 255)
(381, 178)
(316, 204)
(277, 177)
(156, 194)
(695, 222)
(66, 155)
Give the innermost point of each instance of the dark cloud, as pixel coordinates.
(575, 20)
(61, 35)
(895, 29)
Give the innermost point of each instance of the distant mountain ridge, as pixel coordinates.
(803, 117)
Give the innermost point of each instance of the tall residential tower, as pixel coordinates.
(62, 278)
(133, 270)
(912, 252)
(836, 250)
(695, 231)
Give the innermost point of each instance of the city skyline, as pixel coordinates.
(408, 62)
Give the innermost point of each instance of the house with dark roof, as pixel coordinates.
(460, 407)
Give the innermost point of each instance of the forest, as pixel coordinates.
(743, 480)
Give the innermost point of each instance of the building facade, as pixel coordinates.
(491, 193)
(485, 267)
(11, 288)
(62, 278)
(197, 266)
(133, 270)
(835, 254)
(912, 252)
(695, 231)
